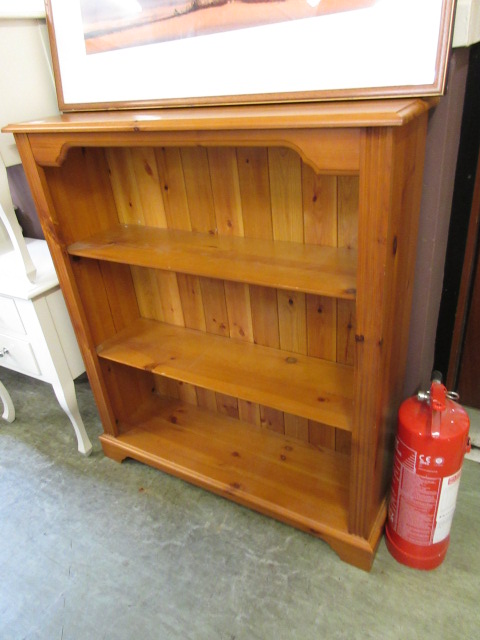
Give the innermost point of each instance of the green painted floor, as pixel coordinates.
(91, 549)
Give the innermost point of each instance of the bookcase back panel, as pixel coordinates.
(256, 192)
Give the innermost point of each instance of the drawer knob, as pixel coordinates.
(3, 352)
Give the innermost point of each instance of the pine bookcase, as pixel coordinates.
(239, 280)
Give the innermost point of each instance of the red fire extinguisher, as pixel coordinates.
(432, 439)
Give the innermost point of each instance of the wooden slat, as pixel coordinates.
(321, 435)
(286, 194)
(292, 321)
(237, 297)
(199, 190)
(263, 303)
(321, 335)
(347, 237)
(255, 192)
(321, 228)
(227, 405)
(285, 265)
(272, 419)
(320, 208)
(257, 468)
(170, 171)
(124, 186)
(150, 186)
(296, 427)
(348, 211)
(287, 223)
(215, 307)
(345, 346)
(321, 327)
(226, 191)
(249, 412)
(297, 384)
(192, 304)
(348, 200)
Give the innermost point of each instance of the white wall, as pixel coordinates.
(27, 87)
(22, 9)
(26, 79)
(467, 23)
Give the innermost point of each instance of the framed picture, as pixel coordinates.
(111, 54)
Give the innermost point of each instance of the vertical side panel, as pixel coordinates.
(62, 226)
(376, 178)
(409, 153)
(390, 182)
(125, 383)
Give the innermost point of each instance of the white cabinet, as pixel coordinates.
(36, 335)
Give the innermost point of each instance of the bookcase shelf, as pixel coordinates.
(287, 381)
(240, 282)
(328, 271)
(290, 480)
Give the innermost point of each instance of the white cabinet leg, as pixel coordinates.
(65, 392)
(8, 408)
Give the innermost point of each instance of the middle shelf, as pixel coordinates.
(309, 387)
(316, 269)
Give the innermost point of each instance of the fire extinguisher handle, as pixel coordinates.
(453, 395)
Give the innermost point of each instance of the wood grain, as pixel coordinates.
(242, 233)
(300, 385)
(286, 265)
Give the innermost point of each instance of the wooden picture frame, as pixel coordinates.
(246, 51)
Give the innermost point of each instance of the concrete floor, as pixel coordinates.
(90, 549)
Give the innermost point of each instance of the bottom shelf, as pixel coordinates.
(291, 481)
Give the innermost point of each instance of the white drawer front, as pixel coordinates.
(18, 355)
(9, 317)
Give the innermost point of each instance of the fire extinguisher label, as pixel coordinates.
(446, 506)
(421, 505)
